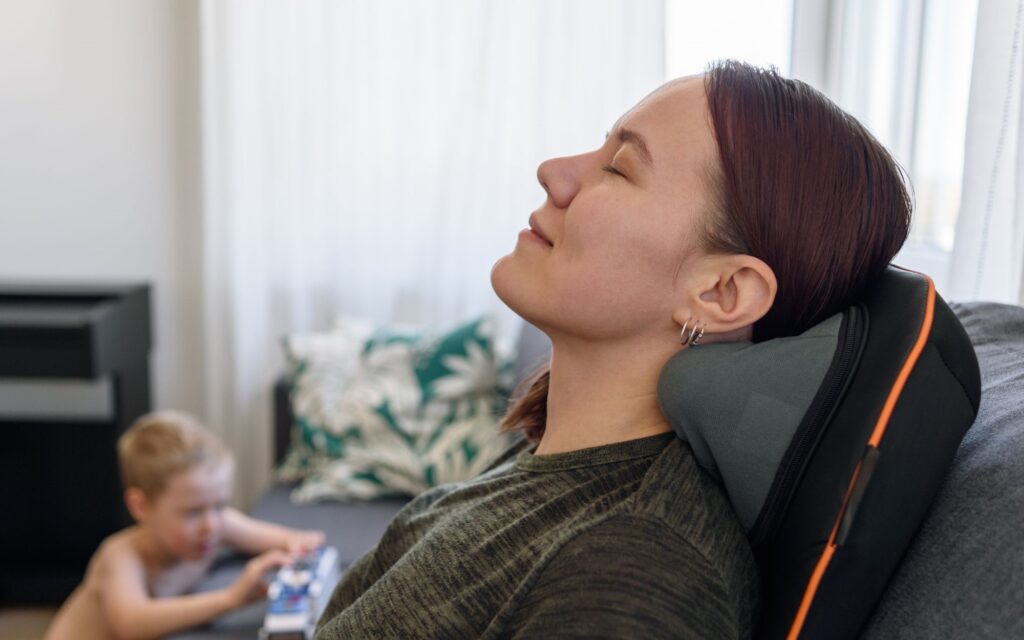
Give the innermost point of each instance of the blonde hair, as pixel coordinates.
(161, 443)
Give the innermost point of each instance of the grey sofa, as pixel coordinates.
(963, 576)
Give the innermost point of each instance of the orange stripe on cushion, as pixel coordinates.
(876, 437)
(897, 388)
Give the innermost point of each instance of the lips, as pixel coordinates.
(540, 232)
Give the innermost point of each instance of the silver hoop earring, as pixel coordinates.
(694, 335)
(694, 339)
(682, 334)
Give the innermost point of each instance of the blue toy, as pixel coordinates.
(298, 594)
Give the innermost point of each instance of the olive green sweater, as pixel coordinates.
(628, 540)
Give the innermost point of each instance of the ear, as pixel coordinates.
(727, 294)
(137, 502)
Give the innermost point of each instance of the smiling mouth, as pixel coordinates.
(535, 230)
(541, 236)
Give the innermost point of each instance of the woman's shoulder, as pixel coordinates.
(662, 585)
(682, 494)
(693, 506)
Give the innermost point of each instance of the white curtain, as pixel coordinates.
(873, 66)
(988, 256)
(903, 68)
(376, 158)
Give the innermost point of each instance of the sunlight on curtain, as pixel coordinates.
(376, 158)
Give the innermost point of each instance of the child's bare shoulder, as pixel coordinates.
(81, 615)
(118, 554)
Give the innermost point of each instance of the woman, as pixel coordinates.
(736, 205)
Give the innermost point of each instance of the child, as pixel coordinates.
(177, 479)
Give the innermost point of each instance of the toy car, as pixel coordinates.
(298, 594)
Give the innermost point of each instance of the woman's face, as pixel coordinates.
(618, 225)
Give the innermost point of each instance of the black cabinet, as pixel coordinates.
(74, 373)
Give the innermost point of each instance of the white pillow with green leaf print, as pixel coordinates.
(392, 411)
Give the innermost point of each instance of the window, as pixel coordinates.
(937, 162)
(902, 67)
(904, 71)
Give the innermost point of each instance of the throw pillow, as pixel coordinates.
(392, 411)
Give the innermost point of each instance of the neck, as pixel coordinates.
(602, 394)
(152, 552)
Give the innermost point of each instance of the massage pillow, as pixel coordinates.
(831, 445)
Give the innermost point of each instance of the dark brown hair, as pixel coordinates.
(802, 186)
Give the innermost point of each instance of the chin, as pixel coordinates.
(502, 279)
(512, 287)
(523, 293)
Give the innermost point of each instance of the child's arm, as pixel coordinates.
(253, 536)
(131, 613)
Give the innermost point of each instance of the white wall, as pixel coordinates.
(99, 160)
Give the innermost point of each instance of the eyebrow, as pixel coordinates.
(637, 140)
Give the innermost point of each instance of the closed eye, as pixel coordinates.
(610, 169)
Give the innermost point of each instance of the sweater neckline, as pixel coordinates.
(594, 456)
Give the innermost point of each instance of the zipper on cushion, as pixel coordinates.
(852, 334)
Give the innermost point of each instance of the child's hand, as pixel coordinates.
(250, 585)
(302, 542)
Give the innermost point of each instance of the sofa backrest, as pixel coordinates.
(533, 348)
(963, 575)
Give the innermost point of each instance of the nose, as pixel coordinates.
(559, 180)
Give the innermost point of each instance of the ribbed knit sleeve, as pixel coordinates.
(358, 579)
